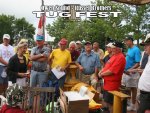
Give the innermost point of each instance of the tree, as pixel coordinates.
(23, 29)
(15, 27)
(139, 21)
(6, 23)
(56, 29)
(100, 29)
(94, 29)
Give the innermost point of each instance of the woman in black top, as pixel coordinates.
(17, 66)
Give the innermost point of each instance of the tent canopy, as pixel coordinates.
(134, 2)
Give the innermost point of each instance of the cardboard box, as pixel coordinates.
(74, 102)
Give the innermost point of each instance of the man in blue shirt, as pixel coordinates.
(133, 58)
(88, 63)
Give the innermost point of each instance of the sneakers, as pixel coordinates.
(128, 102)
(132, 107)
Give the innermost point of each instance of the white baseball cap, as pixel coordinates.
(147, 37)
(146, 41)
(110, 45)
(6, 36)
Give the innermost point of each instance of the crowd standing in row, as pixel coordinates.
(113, 67)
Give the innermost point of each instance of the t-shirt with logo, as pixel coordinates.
(6, 52)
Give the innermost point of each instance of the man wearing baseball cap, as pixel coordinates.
(60, 58)
(130, 80)
(88, 63)
(6, 52)
(39, 57)
(109, 47)
(112, 73)
(144, 81)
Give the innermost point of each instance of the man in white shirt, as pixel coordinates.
(6, 52)
(144, 81)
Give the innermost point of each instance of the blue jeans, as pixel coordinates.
(38, 78)
(60, 81)
(3, 81)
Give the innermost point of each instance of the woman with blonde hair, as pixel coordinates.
(26, 54)
(17, 66)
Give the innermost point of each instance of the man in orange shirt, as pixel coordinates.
(112, 73)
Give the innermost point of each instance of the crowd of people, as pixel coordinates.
(111, 66)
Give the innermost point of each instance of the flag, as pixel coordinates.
(41, 25)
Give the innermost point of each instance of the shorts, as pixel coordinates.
(108, 97)
(131, 80)
(89, 79)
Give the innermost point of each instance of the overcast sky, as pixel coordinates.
(24, 8)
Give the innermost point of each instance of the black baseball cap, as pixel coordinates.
(129, 38)
(118, 44)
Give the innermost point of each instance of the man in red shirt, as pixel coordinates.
(112, 73)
